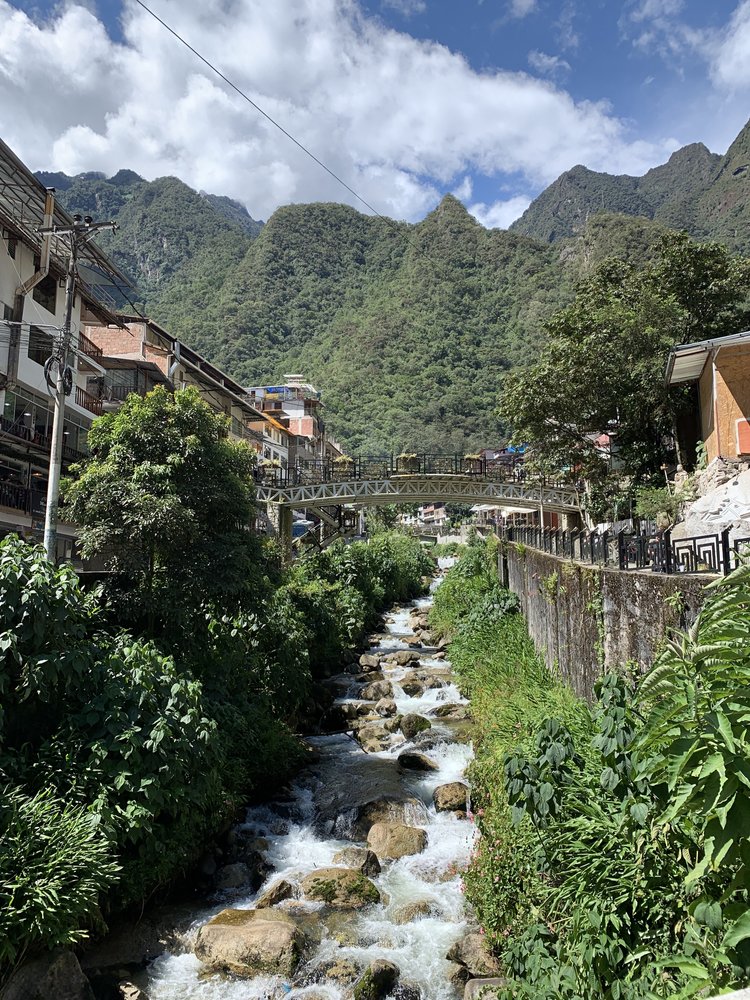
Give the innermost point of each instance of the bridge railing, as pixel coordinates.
(718, 554)
(505, 470)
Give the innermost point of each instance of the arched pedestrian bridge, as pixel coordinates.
(365, 482)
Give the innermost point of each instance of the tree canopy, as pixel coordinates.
(166, 500)
(602, 368)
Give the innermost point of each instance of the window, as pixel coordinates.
(12, 244)
(41, 345)
(45, 293)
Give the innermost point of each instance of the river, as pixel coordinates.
(317, 817)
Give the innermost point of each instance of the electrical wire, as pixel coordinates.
(214, 69)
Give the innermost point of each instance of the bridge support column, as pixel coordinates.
(281, 520)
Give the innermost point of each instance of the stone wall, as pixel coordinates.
(587, 619)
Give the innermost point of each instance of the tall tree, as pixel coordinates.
(166, 499)
(602, 368)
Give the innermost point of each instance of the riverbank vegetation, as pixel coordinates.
(614, 860)
(138, 715)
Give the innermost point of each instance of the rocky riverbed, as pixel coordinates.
(348, 886)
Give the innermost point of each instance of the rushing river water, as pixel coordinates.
(298, 843)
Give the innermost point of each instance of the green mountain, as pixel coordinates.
(704, 193)
(406, 328)
(172, 241)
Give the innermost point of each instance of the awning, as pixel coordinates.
(686, 362)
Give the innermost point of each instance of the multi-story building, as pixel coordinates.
(139, 354)
(296, 406)
(433, 515)
(33, 267)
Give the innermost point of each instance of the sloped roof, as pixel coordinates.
(687, 361)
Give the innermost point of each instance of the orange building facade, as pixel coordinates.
(721, 369)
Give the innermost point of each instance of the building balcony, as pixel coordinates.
(88, 347)
(88, 402)
(40, 442)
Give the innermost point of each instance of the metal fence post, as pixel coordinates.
(726, 552)
(668, 560)
(621, 549)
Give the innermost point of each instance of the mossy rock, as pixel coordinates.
(340, 887)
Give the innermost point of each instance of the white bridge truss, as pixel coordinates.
(423, 489)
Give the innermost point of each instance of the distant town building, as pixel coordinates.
(296, 405)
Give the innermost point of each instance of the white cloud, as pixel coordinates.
(399, 119)
(730, 52)
(647, 10)
(464, 190)
(500, 214)
(521, 8)
(566, 34)
(548, 65)
(406, 7)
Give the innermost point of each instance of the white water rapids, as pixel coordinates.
(296, 847)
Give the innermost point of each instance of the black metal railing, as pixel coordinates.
(718, 554)
(388, 466)
(22, 499)
(32, 437)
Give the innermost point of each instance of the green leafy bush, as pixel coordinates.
(54, 863)
(625, 824)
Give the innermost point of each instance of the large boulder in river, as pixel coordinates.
(403, 657)
(396, 840)
(377, 980)
(233, 876)
(373, 737)
(386, 707)
(360, 859)
(411, 911)
(412, 761)
(413, 724)
(448, 798)
(456, 712)
(275, 894)
(387, 809)
(472, 952)
(368, 662)
(376, 691)
(344, 888)
(56, 974)
(412, 687)
(251, 943)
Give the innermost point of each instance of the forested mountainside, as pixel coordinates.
(170, 239)
(702, 192)
(406, 328)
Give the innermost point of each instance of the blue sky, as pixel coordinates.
(406, 99)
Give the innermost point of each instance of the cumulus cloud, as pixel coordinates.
(406, 7)
(521, 8)
(500, 214)
(548, 65)
(464, 190)
(730, 52)
(400, 119)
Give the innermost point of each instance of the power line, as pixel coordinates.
(214, 69)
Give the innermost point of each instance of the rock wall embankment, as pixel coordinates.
(588, 619)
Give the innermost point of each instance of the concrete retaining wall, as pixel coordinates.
(586, 619)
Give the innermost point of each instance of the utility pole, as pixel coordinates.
(79, 233)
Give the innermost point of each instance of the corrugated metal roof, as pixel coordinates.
(687, 361)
